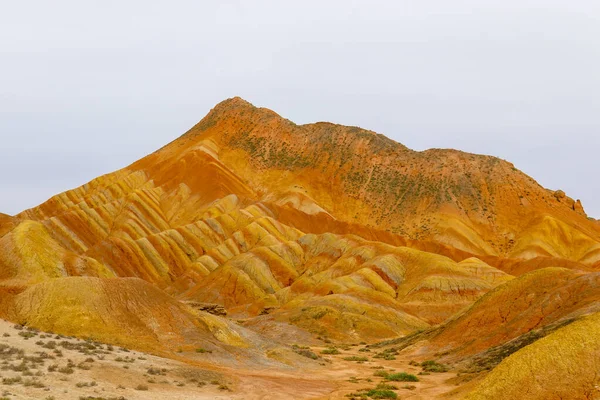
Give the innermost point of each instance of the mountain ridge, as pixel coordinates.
(318, 232)
(239, 132)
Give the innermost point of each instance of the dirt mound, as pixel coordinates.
(125, 311)
(562, 365)
(530, 302)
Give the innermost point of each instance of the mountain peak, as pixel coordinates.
(231, 110)
(359, 176)
(304, 230)
(235, 101)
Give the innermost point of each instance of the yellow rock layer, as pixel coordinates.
(562, 365)
(264, 216)
(125, 311)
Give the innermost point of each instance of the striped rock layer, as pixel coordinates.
(337, 231)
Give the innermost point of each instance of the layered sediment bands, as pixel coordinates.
(126, 311)
(468, 201)
(29, 254)
(318, 229)
(350, 278)
(519, 267)
(562, 365)
(550, 237)
(6, 223)
(532, 301)
(184, 255)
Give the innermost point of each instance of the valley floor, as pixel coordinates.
(38, 365)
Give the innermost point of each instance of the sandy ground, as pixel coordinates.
(352, 376)
(38, 365)
(42, 366)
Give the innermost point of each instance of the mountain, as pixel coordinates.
(301, 233)
(556, 366)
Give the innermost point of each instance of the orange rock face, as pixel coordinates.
(532, 301)
(339, 231)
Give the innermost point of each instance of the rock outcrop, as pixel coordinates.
(335, 231)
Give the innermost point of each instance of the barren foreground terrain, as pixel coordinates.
(42, 365)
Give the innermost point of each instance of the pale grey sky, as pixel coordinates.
(87, 87)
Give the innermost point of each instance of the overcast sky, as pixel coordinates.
(87, 87)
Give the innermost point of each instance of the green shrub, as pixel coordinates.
(376, 393)
(386, 386)
(66, 370)
(432, 366)
(381, 394)
(402, 377)
(201, 350)
(307, 353)
(27, 334)
(11, 381)
(331, 350)
(356, 358)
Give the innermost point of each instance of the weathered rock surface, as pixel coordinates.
(330, 231)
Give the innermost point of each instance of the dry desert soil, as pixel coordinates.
(42, 365)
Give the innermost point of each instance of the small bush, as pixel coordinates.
(376, 393)
(386, 386)
(156, 371)
(85, 384)
(432, 366)
(387, 354)
(50, 345)
(84, 366)
(33, 383)
(307, 353)
(356, 358)
(11, 381)
(331, 350)
(27, 335)
(141, 387)
(381, 394)
(66, 370)
(402, 377)
(201, 350)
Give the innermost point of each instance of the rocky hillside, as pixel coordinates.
(311, 232)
